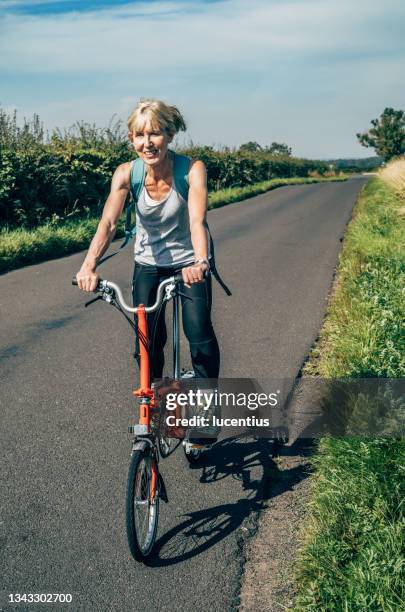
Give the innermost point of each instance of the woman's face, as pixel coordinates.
(150, 144)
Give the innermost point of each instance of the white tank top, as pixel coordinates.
(163, 230)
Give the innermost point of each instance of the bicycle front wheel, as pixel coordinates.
(142, 507)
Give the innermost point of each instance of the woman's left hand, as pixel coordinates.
(194, 274)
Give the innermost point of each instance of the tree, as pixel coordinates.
(277, 148)
(387, 136)
(250, 147)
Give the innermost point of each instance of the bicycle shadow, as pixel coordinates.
(235, 458)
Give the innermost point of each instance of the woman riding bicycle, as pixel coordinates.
(171, 234)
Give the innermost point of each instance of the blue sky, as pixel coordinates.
(307, 72)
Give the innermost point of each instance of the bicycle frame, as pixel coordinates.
(145, 393)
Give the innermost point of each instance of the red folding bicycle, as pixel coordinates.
(151, 437)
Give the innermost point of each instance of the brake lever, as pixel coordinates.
(99, 297)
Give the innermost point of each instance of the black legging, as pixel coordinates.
(196, 317)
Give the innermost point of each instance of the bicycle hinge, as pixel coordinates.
(169, 289)
(138, 430)
(144, 395)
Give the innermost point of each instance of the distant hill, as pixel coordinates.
(365, 164)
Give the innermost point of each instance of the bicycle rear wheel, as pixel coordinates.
(142, 505)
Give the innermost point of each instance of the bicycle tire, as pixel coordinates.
(138, 503)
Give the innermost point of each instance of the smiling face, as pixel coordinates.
(150, 142)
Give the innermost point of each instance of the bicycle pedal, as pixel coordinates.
(187, 374)
(190, 446)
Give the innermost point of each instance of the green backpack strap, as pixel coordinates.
(137, 181)
(137, 178)
(213, 266)
(181, 169)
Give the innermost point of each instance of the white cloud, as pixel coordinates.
(169, 35)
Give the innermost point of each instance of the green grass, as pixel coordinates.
(362, 335)
(352, 554)
(235, 194)
(23, 247)
(353, 558)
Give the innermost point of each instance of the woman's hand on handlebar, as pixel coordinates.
(194, 274)
(87, 279)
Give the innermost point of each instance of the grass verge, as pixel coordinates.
(23, 247)
(352, 553)
(236, 194)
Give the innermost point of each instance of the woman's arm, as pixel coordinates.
(197, 209)
(87, 277)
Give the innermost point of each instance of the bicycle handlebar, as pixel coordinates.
(108, 287)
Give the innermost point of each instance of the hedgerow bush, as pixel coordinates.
(236, 169)
(37, 185)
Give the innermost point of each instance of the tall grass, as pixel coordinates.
(352, 552)
(362, 335)
(394, 175)
(353, 557)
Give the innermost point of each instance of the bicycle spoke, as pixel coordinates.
(144, 507)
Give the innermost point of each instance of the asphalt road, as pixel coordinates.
(67, 376)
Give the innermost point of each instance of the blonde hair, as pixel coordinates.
(160, 115)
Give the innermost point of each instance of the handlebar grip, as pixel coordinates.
(99, 286)
(179, 276)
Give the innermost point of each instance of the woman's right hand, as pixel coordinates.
(87, 279)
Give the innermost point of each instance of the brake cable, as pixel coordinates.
(116, 305)
(154, 330)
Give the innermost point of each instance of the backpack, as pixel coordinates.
(181, 165)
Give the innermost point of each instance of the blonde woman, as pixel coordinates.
(171, 233)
